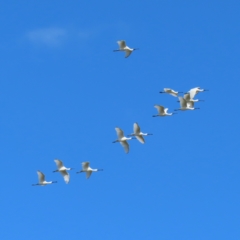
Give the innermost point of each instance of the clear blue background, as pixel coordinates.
(63, 91)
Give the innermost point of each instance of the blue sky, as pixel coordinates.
(63, 91)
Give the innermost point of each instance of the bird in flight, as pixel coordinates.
(63, 170)
(41, 180)
(162, 111)
(171, 92)
(87, 169)
(122, 139)
(123, 47)
(194, 91)
(138, 134)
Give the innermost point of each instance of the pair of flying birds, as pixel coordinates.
(63, 170)
(136, 135)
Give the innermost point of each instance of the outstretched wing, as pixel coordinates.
(41, 177)
(183, 102)
(167, 90)
(66, 176)
(121, 44)
(160, 109)
(59, 163)
(127, 53)
(88, 174)
(187, 97)
(120, 133)
(193, 92)
(171, 92)
(140, 139)
(136, 128)
(85, 165)
(125, 146)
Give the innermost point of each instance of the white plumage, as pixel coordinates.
(41, 180)
(63, 170)
(184, 105)
(123, 47)
(138, 134)
(170, 91)
(122, 139)
(87, 169)
(194, 91)
(162, 111)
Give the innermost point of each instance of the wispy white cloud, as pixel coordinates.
(48, 36)
(57, 36)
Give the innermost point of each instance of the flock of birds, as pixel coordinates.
(63, 171)
(186, 103)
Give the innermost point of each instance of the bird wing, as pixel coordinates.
(85, 165)
(125, 146)
(160, 109)
(88, 174)
(59, 163)
(170, 91)
(41, 177)
(136, 128)
(173, 94)
(127, 53)
(167, 90)
(66, 176)
(187, 96)
(193, 93)
(121, 44)
(120, 133)
(183, 102)
(140, 139)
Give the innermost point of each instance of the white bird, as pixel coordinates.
(162, 111)
(171, 92)
(122, 139)
(138, 134)
(41, 180)
(87, 169)
(125, 48)
(194, 91)
(184, 105)
(63, 170)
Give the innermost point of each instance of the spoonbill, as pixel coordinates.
(63, 170)
(138, 134)
(41, 180)
(184, 105)
(194, 91)
(122, 139)
(171, 92)
(162, 111)
(123, 47)
(87, 169)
